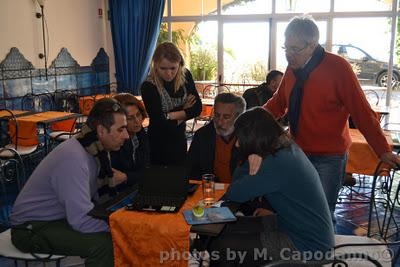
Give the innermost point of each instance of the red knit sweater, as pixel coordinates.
(331, 93)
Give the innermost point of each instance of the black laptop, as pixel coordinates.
(104, 209)
(161, 189)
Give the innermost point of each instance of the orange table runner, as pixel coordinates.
(144, 238)
(362, 158)
(27, 126)
(86, 102)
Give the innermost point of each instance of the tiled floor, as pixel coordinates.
(352, 218)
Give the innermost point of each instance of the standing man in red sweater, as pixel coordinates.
(319, 91)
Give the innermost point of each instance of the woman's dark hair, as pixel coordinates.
(259, 133)
(127, 99)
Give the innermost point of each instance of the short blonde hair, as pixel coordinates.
(170, 52)
(127, 99)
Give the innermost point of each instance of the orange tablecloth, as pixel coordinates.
(27, 126)
(139, 238)
(362, 158)
(86, 102)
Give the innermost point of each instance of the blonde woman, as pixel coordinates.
(171, 99)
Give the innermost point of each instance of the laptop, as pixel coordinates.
(104, 210)
(161, 189)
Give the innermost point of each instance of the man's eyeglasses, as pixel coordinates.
(294, 50)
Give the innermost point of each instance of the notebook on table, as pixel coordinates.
(161, 189)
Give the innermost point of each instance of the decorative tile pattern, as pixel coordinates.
(18, 76)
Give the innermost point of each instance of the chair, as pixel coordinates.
(22, 150)
(39, 103)
(381, 205)
(391, 223)
(377, 196)
(12, 179)
(66, 100)
(8, 250)
(209, 91)
(372, 97)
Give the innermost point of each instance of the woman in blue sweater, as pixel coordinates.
(301, 221)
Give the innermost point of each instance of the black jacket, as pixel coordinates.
(257, 96)
(122, 160)
(167, 139)
(201, 154)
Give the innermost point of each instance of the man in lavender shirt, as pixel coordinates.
(50, 213)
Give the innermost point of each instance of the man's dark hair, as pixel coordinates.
(102, 113)
(272, 75)
(259, 133)
(229, 98)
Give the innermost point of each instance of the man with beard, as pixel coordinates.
(213, 146)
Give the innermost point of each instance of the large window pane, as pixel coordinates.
(362, 5)
(247, 7)
(193, 7)
(302, 6)
(203, 51)
(246, 52)
(352, 40)
(281, 62)
(165, 14)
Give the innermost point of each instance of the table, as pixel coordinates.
(140, 238)
(86, 103)
(362, 158)
(17, 113)
(27, 126)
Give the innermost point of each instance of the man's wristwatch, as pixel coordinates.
(167, 116)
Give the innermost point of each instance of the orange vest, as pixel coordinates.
(223, 153)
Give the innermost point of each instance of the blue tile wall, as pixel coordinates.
(85, 80)
(18, 77)
(66, 82)
(41, 85)
(17, 87)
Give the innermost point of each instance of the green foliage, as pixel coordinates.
(203, 64)
(258, 72)
(178, 36)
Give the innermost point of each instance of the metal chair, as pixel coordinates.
(22, 150)
(382, 203)
(12, 179)
(66, 100)
(372, 97)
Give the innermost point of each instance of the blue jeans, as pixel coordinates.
(331, 170)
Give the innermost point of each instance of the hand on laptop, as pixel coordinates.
(119, 177)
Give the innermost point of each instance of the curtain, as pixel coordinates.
(135, 25)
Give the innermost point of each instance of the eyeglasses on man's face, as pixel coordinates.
(294, 49)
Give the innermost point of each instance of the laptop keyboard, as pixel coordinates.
(144, 201)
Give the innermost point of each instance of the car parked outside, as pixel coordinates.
(367, 68)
